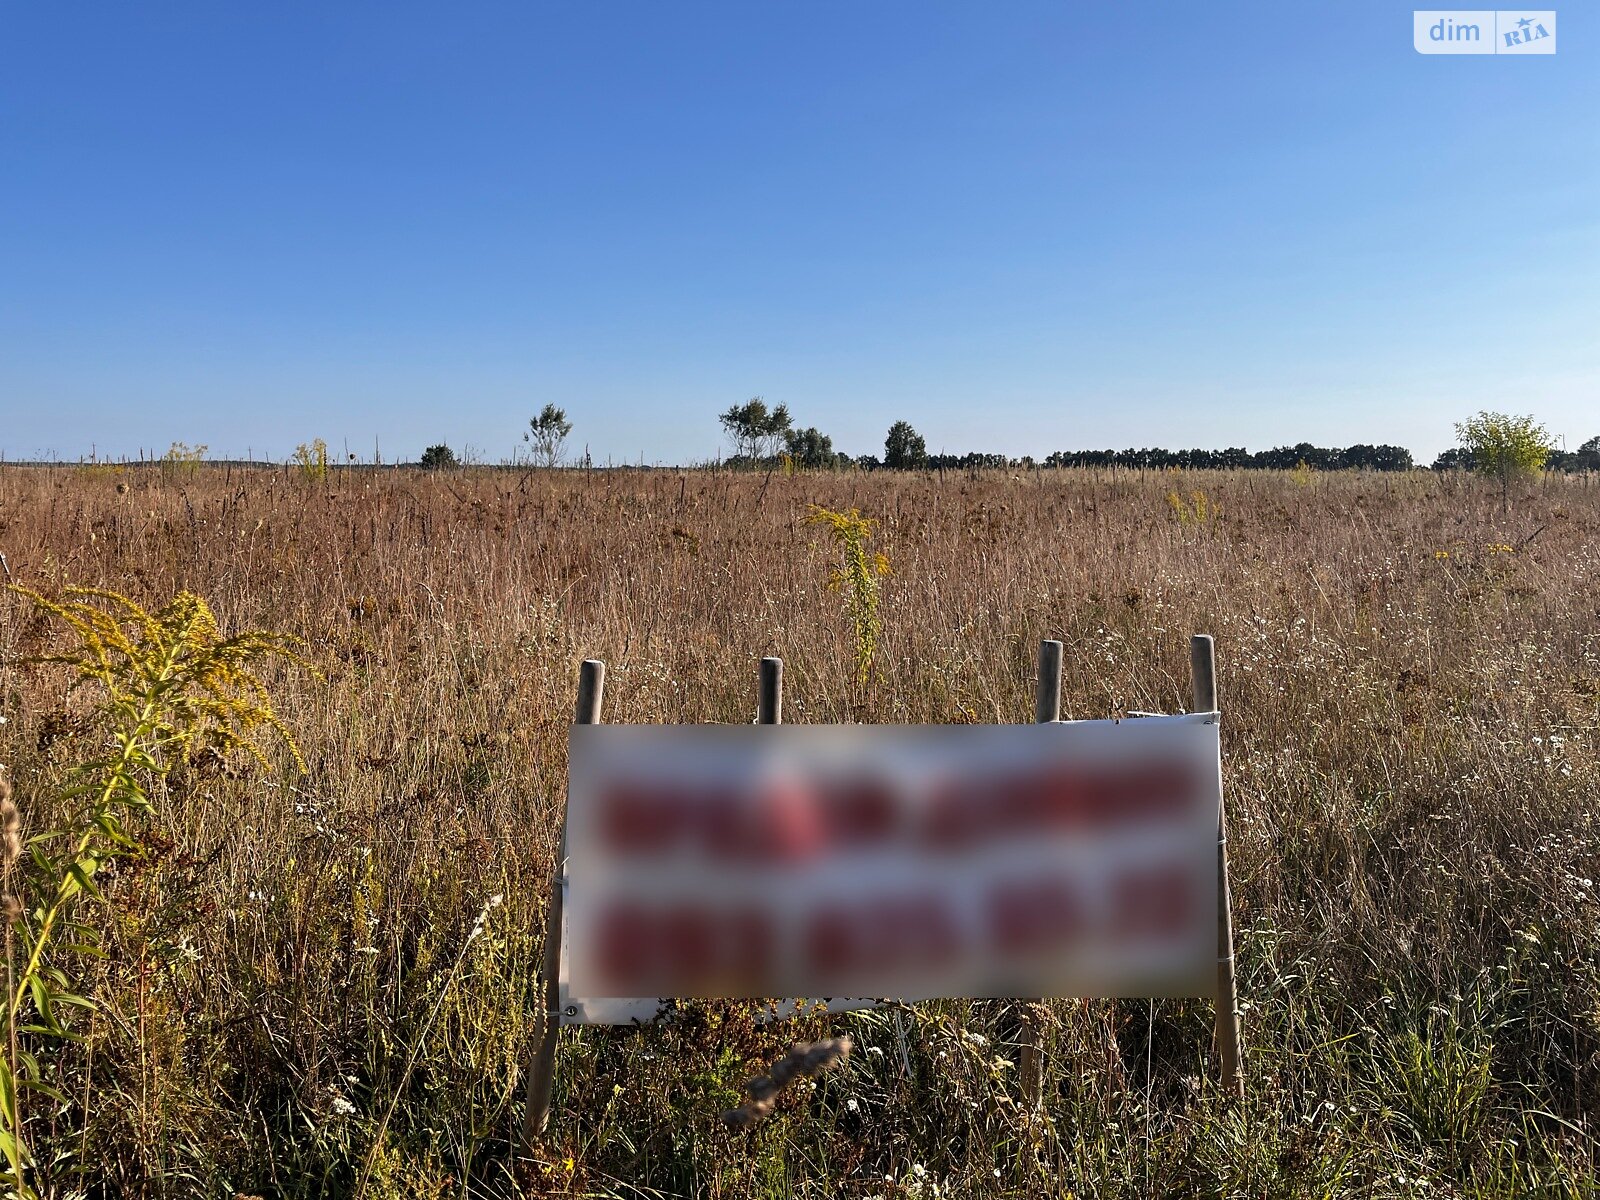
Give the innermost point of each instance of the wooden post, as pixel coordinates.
(542, 1068)
(1203, 668)
(1047, 691)
(1030, 1035)
(769, 710)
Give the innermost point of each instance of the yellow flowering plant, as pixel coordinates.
(172, 687)
(857, 577)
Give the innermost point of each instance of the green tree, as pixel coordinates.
(904, 449)
(438, 458)
(548, 434)
(1505, 447)
(810, 448)
(756, 431)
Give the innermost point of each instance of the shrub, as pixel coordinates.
(1505, 447)
(439, 458)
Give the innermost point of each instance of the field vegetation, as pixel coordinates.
(324, 981)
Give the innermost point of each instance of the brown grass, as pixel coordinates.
(1411, 682)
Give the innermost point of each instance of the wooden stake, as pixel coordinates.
(1047, 691)
(542, 1067)
(1203, 668)
(769, 710)
(1030, 1035)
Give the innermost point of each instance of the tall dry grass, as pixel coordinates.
(309, 979)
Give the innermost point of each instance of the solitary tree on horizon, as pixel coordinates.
(756, 431)
(548, 433)
(904, 449)
(438, 458)
(1505, 447)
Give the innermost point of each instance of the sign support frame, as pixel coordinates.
(540, 1085)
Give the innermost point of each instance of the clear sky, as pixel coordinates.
(1021, 226)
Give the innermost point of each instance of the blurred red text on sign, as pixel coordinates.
(1068, 859)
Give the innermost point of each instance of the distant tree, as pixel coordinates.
(1372, 458)
(1585, 458)
(1588, 456)
(1392, 458)
(1358, 457)
(1287, 458)
(964, 462)
(1454, 459)
(1280, 458)
(1233, 456)
(778, 426)
(548, 434)
(439, 458)
(867, 462)
(745, 425)
(756, 431)
(904, 448)
(1505, 447)
(810, 448)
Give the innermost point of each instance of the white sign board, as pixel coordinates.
(1071, 859)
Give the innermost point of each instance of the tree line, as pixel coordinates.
(1360, 457)
(764, 437)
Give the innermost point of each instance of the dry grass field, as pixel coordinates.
(326, 983)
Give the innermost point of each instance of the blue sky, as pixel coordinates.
(1023, 227)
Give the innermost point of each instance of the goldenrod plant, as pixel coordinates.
(857, 578)
(1196, 510)
(172, 688)
(312, 460)
(182, 459)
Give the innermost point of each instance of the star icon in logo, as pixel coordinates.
(1525, 22)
